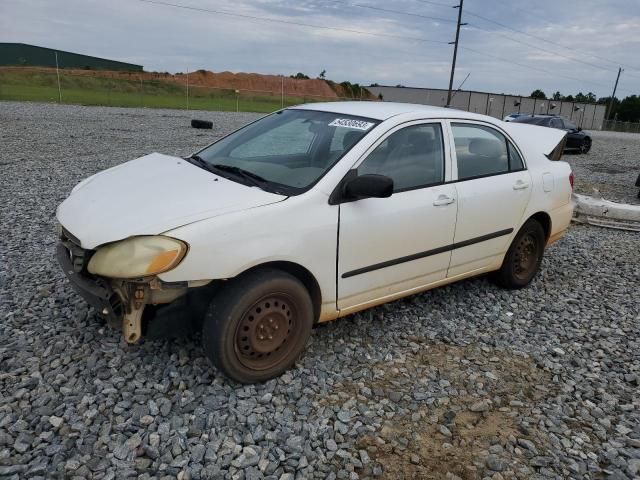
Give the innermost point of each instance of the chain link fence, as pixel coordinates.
(142, 90)
(617, 126)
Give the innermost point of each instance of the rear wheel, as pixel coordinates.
(257, 325)
(523, 259)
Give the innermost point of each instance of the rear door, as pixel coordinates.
(493, 188)
(396, 244)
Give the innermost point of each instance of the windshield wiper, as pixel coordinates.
(253, 177)
(200, 162)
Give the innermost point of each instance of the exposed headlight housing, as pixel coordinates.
(137, 257)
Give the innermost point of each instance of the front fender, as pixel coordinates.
(302, 230)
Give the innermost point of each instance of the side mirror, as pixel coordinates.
(369, 186)
(579, 129)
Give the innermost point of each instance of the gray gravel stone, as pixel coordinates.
(78, 402)
(611, 167)
(495, 463)
(480, 406)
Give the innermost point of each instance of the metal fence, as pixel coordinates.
(616, 126)
(144, 90)
(498, 105)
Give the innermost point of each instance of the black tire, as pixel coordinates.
(586, 145)
(523, 259)
(206, 124)
(243, 334)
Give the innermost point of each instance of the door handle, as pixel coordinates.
(443, 200)
(520, 185)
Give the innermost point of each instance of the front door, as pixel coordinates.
(396, 244)
(493, 189)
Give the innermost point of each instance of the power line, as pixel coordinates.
(512, 6)
(511, 38)
(566, 47)
(429, 2)
(360, 32)
(573, 59)
(523, 65)
(388, 10)
(289, 22)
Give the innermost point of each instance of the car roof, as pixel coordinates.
(536, 138)
(385, 110)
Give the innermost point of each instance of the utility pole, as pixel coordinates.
(455, 51)
(613, 95)
(58, 75)
(187, 90)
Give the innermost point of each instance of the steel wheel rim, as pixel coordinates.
(525, 258)
(264, 334)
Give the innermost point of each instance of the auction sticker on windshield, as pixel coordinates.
(350, 123)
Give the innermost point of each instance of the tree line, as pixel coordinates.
(625, 110)
(352, 90)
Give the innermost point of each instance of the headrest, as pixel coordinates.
(486, 147)
(420, 138)
(350, 138)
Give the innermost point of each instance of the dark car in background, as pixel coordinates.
(577, 139)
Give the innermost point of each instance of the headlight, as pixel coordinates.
(137, 257)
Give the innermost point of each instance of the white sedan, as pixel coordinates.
(309, 214)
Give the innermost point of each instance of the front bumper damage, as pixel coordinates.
(142, 306)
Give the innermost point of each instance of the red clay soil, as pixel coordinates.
(250, 82)
(260, 83)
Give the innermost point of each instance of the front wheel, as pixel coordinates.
(523, 259)
(585, 146)
(257, 325)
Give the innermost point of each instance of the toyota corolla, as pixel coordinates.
(310, 214)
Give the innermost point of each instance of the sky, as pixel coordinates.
(507, 46)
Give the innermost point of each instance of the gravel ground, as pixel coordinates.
(611, 167)
(466, 381)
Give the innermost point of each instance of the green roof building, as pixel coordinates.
(23, 55)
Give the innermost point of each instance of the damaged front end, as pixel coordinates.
(141, 306)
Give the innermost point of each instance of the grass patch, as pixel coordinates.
(37, 86)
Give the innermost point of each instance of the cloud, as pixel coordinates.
(166, 38)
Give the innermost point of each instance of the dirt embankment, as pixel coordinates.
(260, 83)
(250, 82)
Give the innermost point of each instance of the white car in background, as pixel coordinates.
(309, 214)
(513, 116)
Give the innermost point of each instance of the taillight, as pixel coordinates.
(571, 180)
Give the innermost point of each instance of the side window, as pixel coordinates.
(292, 138)
(480, 150)
(515, 160)
(569, 125)
(413, 157)
(556, 123)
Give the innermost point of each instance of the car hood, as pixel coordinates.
(151, 195)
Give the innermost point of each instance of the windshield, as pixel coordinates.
(533, 120)
(288, 151)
